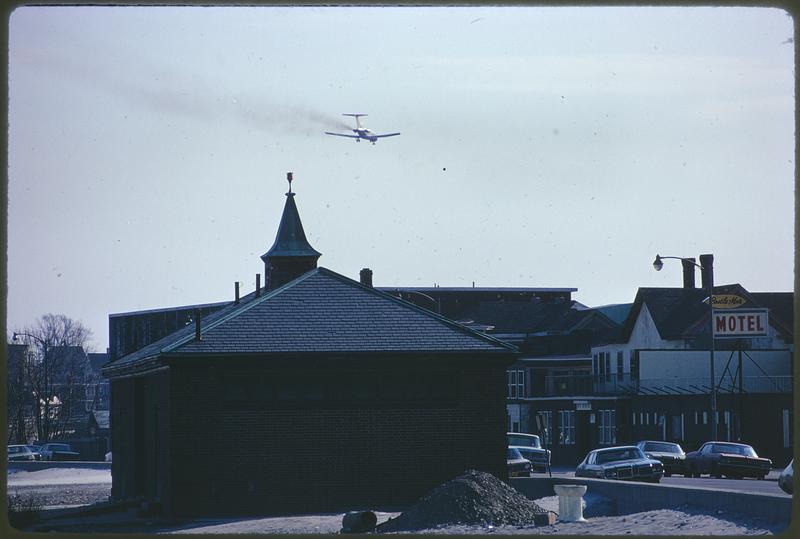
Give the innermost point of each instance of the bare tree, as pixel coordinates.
(56, 372)
(17, 396)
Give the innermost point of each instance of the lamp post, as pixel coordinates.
(658, 264)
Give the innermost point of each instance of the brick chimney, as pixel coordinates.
(365, 276)
(707, 273)
(688, 272)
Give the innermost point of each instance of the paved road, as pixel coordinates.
(765, 486)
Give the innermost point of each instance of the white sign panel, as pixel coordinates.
(741, 323)
(583, 405)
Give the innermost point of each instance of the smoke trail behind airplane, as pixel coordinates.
(168, 92)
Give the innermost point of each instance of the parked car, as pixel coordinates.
(785, 478)
(670, 455)
(19, 452)
(35, 450)
(539, 458)
(58, 451)
(517, 465)
(726, 458)
(531, 448)
(622, 462)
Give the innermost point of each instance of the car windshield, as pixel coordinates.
(662, 447)
(530, 440)
(734, 449)
(613, 455)
(513, 454)
(14, 449)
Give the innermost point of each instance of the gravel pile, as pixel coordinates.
(471, 498)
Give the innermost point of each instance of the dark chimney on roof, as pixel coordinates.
(236, 291)
(707, 271)
(198, 336)
(365, 276)
(688, 272)
(258, 284)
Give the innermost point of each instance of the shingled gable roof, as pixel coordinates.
(681, 312)
(318, 312)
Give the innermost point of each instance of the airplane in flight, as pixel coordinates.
(361, 132)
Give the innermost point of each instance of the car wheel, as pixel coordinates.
(667, 474)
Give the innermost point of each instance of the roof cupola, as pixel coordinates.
(291, 255)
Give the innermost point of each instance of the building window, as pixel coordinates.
(705, 418)
(516, 384)
(602, 373)
(696, 418)
(566, 427)
(619, 366)
(608, 366)
(607, 427)
(595, 366)
(633, 419)
(635, 365)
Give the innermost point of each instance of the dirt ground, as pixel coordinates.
(474, 505)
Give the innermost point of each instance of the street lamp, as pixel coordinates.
(658, 264)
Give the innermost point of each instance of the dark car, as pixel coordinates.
(35, 450)
(623, 462)
(56, 451)
(671, 455)
(19, 452)
(517, 465)
(726, 458)
(531, 448)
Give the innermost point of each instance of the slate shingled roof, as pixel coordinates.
(320, 311)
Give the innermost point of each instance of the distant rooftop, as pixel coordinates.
(170, 309)
(472, 288)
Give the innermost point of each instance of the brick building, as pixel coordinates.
(316, 392)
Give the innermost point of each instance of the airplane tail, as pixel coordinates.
(358, 119)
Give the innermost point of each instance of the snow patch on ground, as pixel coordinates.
(58, 476)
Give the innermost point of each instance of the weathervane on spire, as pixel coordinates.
(289, 179)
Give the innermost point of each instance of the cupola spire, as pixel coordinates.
(290, 255)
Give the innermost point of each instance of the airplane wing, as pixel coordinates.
(386, 135)
(342, 135)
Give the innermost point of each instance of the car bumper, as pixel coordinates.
(742, 470)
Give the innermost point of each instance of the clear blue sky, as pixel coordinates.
(540, 147)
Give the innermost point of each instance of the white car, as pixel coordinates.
(785, 478)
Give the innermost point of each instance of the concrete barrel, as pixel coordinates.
(570, 502)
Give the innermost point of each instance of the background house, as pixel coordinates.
(661, 363)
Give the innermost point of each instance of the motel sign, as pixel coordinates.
(741, 323)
